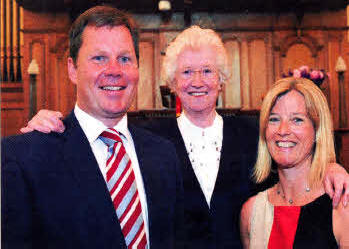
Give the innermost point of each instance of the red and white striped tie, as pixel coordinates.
(123, 191)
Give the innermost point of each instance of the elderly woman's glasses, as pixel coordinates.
(207, 73)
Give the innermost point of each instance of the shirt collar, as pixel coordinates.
(93, 127)
(214, 129)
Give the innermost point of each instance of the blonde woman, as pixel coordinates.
(296, 140)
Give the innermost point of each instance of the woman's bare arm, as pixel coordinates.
(245, 221)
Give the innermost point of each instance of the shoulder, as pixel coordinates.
(243, 122)
(147, 137)
(241, 130)
(142, 132)
(37, 143)
(160, 122)
(247, 207)
(31, 149)
(30, 141)
(256, 201)
(156, 151)
(163, 127)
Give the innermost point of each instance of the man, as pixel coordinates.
(68, 190)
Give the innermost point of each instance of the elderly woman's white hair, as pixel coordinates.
(196, 38)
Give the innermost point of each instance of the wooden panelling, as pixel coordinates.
(232, 86)
(298, 55)
(146, 85)
(66, 90)
(13, 115)
(344, 154)
(342, 143)
(333, 53)
(245, 77)
(258, 72)
(12, 119)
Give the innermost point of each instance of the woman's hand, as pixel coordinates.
(336, 183)
(45, 121)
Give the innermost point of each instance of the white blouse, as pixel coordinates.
(203, 146)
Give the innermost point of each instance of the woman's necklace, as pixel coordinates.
(290, 200)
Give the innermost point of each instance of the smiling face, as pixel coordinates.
(197, 80)
(290, 134)
(105, 73)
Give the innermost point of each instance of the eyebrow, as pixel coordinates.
(125, 51)
(203, 66)
(100, 51)
(293, 113)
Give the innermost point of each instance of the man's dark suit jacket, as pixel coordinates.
(217, 226)
(54, 195)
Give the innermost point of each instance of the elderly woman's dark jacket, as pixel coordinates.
(217, 226)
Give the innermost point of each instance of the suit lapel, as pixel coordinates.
(151, 166)
(144, 153)
(79, 158)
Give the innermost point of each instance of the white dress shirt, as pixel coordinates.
(204, 150)
(92, 128)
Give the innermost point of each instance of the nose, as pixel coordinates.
(197, 79)
(284, 128)
(113, 68)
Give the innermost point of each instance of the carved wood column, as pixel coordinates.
(245, 78)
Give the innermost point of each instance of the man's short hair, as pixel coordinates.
(100, 16)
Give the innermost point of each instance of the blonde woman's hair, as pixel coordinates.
(194, 37)
(318, 112)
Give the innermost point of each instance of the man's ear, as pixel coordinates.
(72, 70)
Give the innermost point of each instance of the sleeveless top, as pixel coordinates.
(313, 229)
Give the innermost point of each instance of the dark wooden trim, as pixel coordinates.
(251, 29)
(167, 113)
(11, 89)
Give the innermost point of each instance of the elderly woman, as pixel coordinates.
(295, 140)
(217, 153)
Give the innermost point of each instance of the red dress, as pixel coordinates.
(303, 227)
(284, 227)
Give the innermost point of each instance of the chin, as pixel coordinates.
(115, 111)
(285, 165)
(201, 107)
